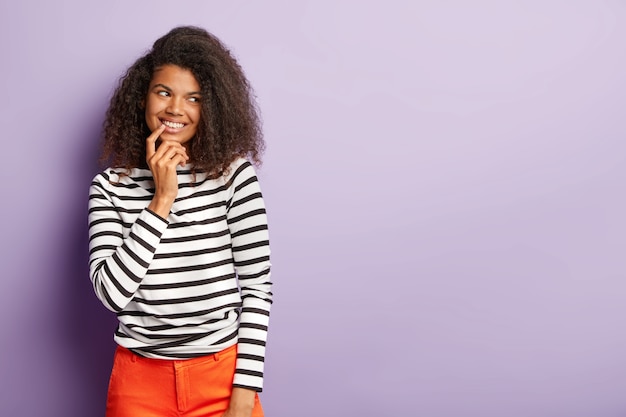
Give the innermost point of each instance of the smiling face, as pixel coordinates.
(173, 100)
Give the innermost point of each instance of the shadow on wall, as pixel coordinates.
(87, 326)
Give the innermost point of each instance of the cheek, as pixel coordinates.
(152, 109)
(197, 114)
(149, 119)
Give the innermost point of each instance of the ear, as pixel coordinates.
(142, 104)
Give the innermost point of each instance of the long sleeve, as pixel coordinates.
(118, 263)
(247, 222)
(192, 284)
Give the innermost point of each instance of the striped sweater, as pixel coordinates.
(194, 283)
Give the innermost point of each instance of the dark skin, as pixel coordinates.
(163, 161)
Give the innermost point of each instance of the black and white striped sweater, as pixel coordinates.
(194, 283)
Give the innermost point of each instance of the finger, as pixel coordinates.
(179, 159)
(173, 151)
(167, 151)
(151, 141)
(164, 153)
(167, 166)
(166, 146)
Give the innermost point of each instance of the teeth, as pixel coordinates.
(173, 125)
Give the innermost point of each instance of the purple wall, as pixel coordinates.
(445, 186)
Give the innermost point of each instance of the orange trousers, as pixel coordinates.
(199, 387)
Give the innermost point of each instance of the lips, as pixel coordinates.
(173, 125)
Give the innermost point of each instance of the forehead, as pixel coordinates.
(174, 76)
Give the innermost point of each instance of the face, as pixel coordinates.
(173, 100)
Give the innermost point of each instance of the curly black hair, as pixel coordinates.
(229, 125)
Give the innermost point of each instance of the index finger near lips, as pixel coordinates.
(151, 141)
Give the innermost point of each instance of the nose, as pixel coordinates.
(174, 107)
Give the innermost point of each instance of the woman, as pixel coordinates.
(178, 234)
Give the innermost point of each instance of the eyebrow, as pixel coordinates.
(163, 86)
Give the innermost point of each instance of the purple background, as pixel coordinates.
(445, 187)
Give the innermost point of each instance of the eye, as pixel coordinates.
(163, 93)
(194, 99)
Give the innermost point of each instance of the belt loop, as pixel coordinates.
(216, 356)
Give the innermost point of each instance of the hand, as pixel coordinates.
(241, 403)
(163, 162)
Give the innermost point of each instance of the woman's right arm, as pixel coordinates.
(118, 264)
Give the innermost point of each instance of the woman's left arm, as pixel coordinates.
(247, 222)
